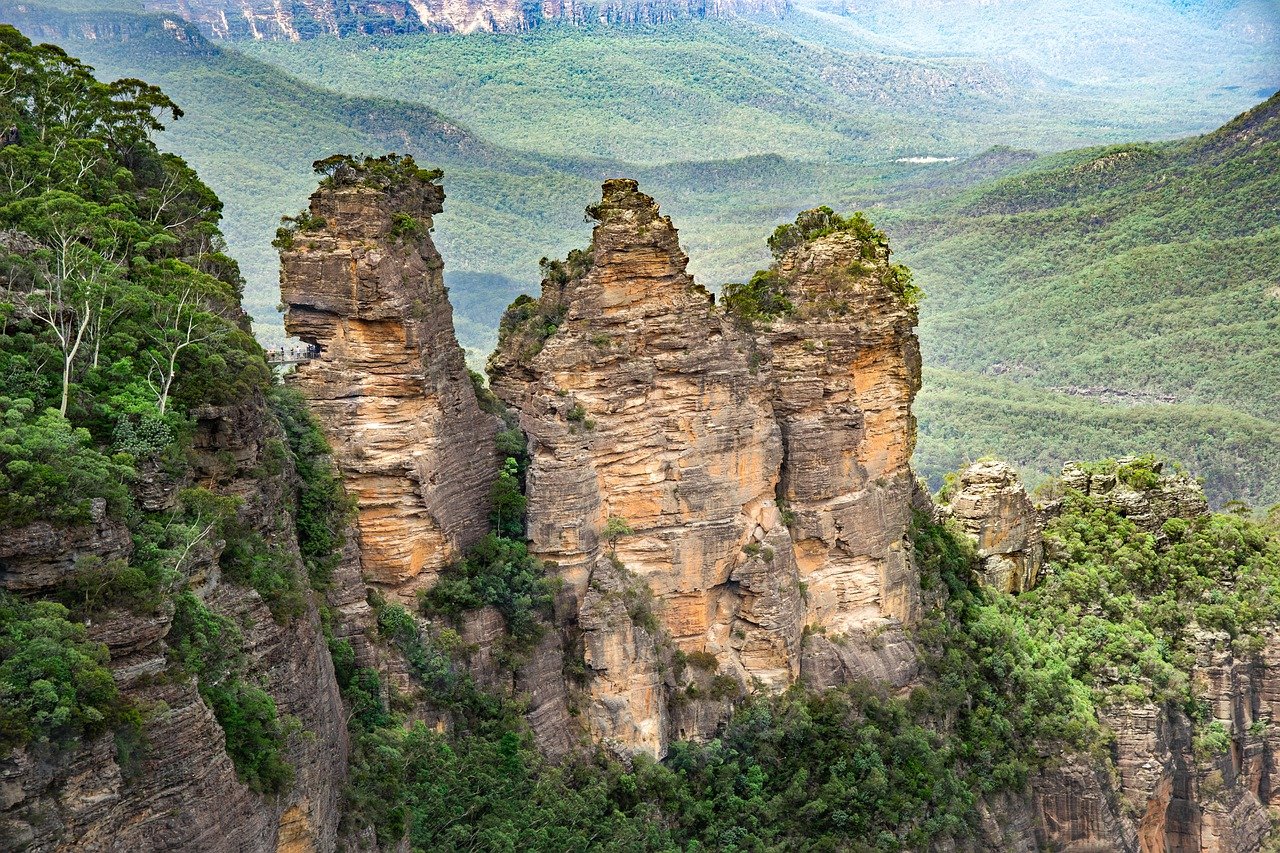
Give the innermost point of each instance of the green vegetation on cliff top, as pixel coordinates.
(119, 315)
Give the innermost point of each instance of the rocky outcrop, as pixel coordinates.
(363, 284)
(1140, 490)
(992, 507)
(262, 19)
(843, 365)
(1166, 787)
(183, 792)
(41, 555)
(663, 432)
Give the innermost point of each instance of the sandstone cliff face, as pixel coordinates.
(992, 507)
(363, 283)
(662, 436)
(185, 794)
(269, 19)
(844, 367)
(1158, 793)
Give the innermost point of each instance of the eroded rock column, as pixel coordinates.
(663, 429)
(363, 283)
(992, 507)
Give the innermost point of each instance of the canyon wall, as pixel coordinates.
(181, 792)
(752, 482)
(1164, 788)
(363, 286)
(722, 487)
(272, 20)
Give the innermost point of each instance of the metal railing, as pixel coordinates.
(291, 355)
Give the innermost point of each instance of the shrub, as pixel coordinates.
(702, 660)
(323, 510)
(50, 470)
(403, 225)
(501, 573)
(764, 297)
(55, 687)
(819, 222)
(209, 646)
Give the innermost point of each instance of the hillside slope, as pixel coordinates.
(1139, 277)
(526, 124)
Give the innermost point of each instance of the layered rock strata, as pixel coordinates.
(844, 366)
(662, 437)
(84, 799)
(363, 285)
(265, 19)
(992, 507)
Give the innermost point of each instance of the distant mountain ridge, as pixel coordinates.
(1145, 268)
(302, 19)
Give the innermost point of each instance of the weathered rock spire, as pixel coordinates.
(363, 283)
(663, 429)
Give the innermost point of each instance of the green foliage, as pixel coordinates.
(55, 687)
(531, 321)
(616, 528)
(902, 282)
(508, 502)
(963, 416)
(767, 295)
(702, 660)
(119, 309)
(51, 470)
(499, 572)
(575, 266)
(292, 226)
(762, 298)
(250, 560)
(247, 558)
(1010, 684)
(384, 173)
(1211, 741)
(144, 438)
(775, 129)
(360, 686)
(1012, 699)
(1120, 607)
(405, 226)
(208, 646)
(821, 221)
(323, 510)
(1140, 473)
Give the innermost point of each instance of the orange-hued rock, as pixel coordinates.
(363, 282)
(845, 367)
(992, 507)
(645, 402)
